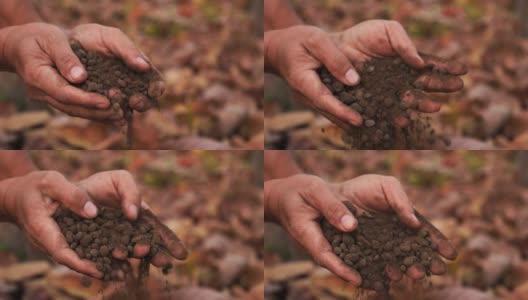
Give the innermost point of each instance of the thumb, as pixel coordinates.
(68, 64)
(55, 186)
(319, 195)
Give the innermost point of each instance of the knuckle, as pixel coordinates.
(391, 180)
(313, 184)
(316, 37)
(334, 210)
(50, 178)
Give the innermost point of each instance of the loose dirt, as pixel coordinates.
(105, 73)
(96, 239)
(384, 82)
(380, 240)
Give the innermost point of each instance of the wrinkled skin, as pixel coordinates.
(298, 202)
(33, 199)
(295, 53)
(41, 55)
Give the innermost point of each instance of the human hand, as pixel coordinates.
(297, 52)
(41, 55)
(298, 203)
(112, 42)
(32, 200)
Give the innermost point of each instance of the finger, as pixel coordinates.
(101, 115)
(324, 50)
(398, 201)
(120, 252)
(161, 259)
(401, 121)
(127, 192)
(393, 271)
(418, 100)
(69, 258)
(311, 237)
(321, 99)
(66, 61)
(319, 195)
(140, 102)
(116, 95)
(172, 243)
(140, 250)
(48, 80)
(403, 45)
(416, 271)
(55, 244)
(156, 88)
(121, 46)
(55, 186)
(444, 65)
(439, 83)
(444, 246)
(438, 267)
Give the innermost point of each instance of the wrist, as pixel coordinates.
(6, 63)
(270, 203)
(7, 202)
(269, 60)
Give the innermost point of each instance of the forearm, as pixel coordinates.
(279, 14)
(16, 12)
(15, 163)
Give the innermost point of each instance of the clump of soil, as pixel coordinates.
(384, 81)
(105, 73)
(380, 240)
(95, 239)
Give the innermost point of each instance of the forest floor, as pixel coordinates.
(479, 200)
(211, 200)
(210, 54)
(491, 111)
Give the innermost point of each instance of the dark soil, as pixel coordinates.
(105, 73)
(377, 99)
(95, 239)
(378, 241)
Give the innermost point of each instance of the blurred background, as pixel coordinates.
(478, 199)
(210, 53)
(211, 199)
(489, 36)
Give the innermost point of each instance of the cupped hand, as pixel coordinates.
(33, 199)
(113, 42)
(297, 52)
(298, 203)
(41, 55)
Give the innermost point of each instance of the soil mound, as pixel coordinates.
(377, 98)
(380, 240)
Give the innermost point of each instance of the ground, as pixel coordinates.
(485, 35)
(477, 199)
(210, 54)
(211, 200)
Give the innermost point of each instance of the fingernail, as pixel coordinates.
(103, 104)
(140, 60)
(133, 210)
(77, 72)
(352, 77)
(89, 209)
(415, 219)
(348, 222)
